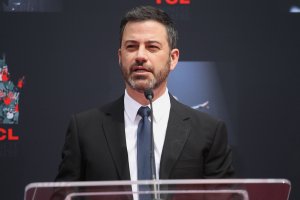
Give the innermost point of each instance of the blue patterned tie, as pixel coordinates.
(144, 150)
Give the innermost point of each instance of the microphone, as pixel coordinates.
(149, 95)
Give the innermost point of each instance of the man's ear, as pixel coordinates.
(174, 57)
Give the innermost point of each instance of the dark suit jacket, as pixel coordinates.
(95, 148)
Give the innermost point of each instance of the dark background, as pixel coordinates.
(69, 60)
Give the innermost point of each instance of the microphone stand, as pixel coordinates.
(149, 95)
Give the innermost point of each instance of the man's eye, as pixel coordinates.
(131, 46)
(153, 47)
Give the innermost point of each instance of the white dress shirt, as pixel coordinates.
(161, 111)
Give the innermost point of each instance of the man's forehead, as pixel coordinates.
(145, 24)
(149, 29)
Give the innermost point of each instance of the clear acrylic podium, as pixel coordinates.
(198, 189)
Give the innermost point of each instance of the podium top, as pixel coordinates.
(216, 189)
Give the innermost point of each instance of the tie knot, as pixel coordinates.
(144, 111)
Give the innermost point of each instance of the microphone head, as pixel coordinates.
(148, 94)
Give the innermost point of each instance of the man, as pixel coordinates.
(101, 144)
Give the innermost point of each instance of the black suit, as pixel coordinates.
(95, 149)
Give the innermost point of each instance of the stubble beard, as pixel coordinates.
(142, 83)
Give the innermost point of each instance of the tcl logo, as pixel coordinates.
(174, 2)
(7, 134)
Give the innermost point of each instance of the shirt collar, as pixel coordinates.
(161, 106)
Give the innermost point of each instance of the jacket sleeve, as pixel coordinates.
(70, 168)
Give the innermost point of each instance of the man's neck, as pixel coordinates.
(140, 97)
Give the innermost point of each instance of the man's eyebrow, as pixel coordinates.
(130, 41)
(147, 42)
(153, 41)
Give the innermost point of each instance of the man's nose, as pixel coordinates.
(141, 55)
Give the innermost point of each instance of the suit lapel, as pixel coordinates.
(176, 137)
(114, 129)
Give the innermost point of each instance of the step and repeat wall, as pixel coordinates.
(239, 62)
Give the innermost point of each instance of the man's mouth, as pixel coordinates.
(139, 69)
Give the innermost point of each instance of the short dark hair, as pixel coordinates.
(143, 13)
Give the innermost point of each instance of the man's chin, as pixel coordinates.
(141, 87)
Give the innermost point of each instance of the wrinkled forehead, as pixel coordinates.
(145, 30)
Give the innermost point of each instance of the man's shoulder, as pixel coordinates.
(191, 113)
(99, 112)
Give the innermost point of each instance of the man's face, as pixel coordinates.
(145, 56)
